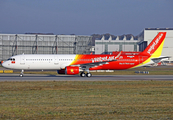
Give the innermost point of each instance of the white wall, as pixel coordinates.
(113, 48)
(168, 44)
(99, 49)
(128, 47)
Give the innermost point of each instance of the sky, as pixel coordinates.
(84, 17)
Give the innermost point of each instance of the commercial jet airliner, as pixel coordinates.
(71, 64)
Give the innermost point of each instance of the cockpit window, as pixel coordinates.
(11, 59)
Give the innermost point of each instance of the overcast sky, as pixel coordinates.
(84, 17)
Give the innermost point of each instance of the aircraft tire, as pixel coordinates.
(88, 74)
(21, 75)
(82, 74)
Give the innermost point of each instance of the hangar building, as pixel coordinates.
(13, 44)
(104, 46)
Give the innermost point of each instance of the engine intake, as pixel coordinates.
(62, 71)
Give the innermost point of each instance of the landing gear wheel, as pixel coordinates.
(21, 75)
(88, 74)
(82, 74)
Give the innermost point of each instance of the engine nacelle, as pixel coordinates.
(72, 70)
(69, 70)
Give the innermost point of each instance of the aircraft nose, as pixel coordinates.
(3, 64)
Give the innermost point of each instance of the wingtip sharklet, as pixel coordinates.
(118, 55)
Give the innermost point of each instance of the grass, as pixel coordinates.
(86, 100)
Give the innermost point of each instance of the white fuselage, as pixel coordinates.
(38, 62)
(58, 62)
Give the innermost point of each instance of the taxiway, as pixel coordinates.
(36, 77)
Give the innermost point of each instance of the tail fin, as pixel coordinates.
(155, 47)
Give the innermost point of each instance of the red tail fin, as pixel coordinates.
(154, 45)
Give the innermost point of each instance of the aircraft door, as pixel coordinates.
(22, 60)
(56, 60)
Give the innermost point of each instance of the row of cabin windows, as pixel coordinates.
(75, 59)
(59, 59)
(91, 59)
(66, 59)
(48, 59)
(12, 59)
(126, 60)
(38, 59)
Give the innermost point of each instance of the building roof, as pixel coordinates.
(158, 28)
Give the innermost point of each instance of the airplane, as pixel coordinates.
(72, 64)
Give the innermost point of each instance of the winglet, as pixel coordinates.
(118, 55)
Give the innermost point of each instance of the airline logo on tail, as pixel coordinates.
(154, 44)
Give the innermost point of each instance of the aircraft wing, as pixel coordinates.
(95, 64)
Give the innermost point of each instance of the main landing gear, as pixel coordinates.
(21, 73)
(82, 74)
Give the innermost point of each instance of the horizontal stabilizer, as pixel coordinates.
(159, 59)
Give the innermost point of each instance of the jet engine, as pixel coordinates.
(69, 70)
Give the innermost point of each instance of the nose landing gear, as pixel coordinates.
(21, 73)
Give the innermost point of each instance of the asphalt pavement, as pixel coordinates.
(37, 77)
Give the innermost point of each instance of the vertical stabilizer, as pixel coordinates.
(155, 47)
